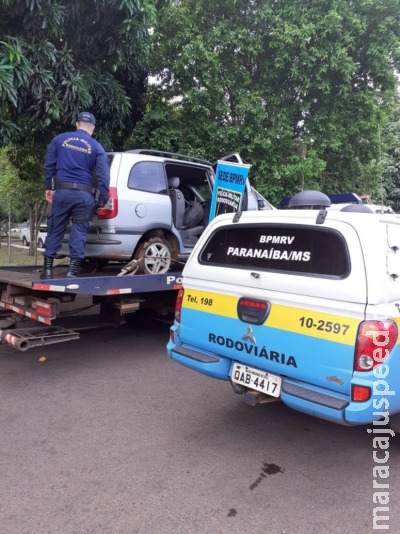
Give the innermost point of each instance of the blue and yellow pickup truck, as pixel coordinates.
(298, 305)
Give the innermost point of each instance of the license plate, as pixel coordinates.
(254, 379)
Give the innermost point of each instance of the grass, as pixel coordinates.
(13, 256)
(18, 255)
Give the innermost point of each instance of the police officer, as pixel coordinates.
(71, 159)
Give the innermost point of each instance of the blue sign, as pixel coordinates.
(229, 187)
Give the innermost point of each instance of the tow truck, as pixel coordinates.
(35, 312)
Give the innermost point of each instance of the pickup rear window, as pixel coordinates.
(284, 248)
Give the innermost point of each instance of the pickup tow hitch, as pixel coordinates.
(252, 398)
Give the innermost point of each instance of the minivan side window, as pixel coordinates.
(282, 248)
(148, 176)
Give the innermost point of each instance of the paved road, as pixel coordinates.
(111, 436)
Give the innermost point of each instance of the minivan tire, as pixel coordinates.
(194, 214)
(154, 256)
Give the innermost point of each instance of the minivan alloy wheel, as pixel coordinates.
(154, 256)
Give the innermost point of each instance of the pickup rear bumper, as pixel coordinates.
(306, 398)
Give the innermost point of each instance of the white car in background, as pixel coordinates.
(378, 208)
(341, 200)
(25, 235)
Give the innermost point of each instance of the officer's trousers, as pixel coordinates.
(69, 204)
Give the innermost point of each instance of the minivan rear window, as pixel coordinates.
(148, 176)
(285, 248)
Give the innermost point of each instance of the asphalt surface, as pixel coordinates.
(109, 435)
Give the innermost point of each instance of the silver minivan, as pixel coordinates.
(158, 207)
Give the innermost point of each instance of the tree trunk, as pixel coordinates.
(36, 214)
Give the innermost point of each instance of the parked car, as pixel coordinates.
(25, 235)
(339, 201)
(158, 207)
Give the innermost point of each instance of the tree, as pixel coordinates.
(7, 176)
(301, 88)
(22, 196)
(391, 162)
(59, 57)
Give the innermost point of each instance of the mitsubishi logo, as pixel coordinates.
(249, 335)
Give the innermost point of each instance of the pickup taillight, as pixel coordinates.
(110, 210)
(375, 340)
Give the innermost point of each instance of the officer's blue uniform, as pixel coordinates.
(71, 158)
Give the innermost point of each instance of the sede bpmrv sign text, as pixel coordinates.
(229, 187)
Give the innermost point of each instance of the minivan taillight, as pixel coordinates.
(178, 305)
(110, 210)
(375, 340)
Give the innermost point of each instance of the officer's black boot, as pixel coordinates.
(47, 268)
(74, 265)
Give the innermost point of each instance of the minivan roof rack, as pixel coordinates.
(169, 155)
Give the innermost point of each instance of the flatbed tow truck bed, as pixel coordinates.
(109, 282)
(32, 311)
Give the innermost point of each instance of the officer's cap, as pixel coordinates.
(85, 116)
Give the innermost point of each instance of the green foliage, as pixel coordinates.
(13, 192)
(59, 57)
(21, 187)
(301, 89)
(391, 163)
(7, 176)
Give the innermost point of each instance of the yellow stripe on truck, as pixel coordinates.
(210, 302)
(327, 326)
